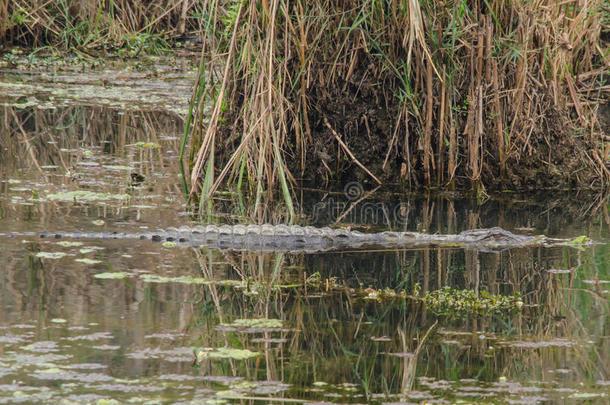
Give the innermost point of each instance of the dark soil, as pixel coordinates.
(363, 114)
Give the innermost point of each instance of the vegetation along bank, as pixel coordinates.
(483, 95)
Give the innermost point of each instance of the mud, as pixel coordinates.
(363, 112)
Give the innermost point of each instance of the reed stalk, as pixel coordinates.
(487, 94)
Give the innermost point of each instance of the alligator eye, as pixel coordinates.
(182, 240)
(170, 239)
(156, 238)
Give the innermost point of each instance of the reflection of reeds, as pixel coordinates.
(49, 131)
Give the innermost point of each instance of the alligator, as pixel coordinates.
(295, 238)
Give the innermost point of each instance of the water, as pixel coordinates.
(168, 327)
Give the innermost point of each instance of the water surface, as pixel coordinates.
(137, 321)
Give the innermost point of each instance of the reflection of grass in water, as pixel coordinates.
(345, 334)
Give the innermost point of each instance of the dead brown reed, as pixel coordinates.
(91, 23)
(462, 95)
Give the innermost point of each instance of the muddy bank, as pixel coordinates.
(362, 113)
(426, 96)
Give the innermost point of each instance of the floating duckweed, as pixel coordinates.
(116, 167)
(228, 394)
(85, 196)
(587, 395)
(67, 243)
(386, 294)
(98, 222)
(153, 278)
(454, 303)
(244, 385)
(111, 275)
(50, 255)
(257, 323)
(58, 320)
(88, 261)
(110, 401)
(579, 240)
(168, 244)
(224, 353)
(148, 145)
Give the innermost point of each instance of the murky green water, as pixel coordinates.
(137, 322)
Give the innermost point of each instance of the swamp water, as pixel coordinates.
(110, 321)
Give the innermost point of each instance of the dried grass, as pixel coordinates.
(91, 23)
(484, 91)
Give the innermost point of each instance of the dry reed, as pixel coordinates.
(481, 94)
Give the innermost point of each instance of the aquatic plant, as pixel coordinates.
(454, 303)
